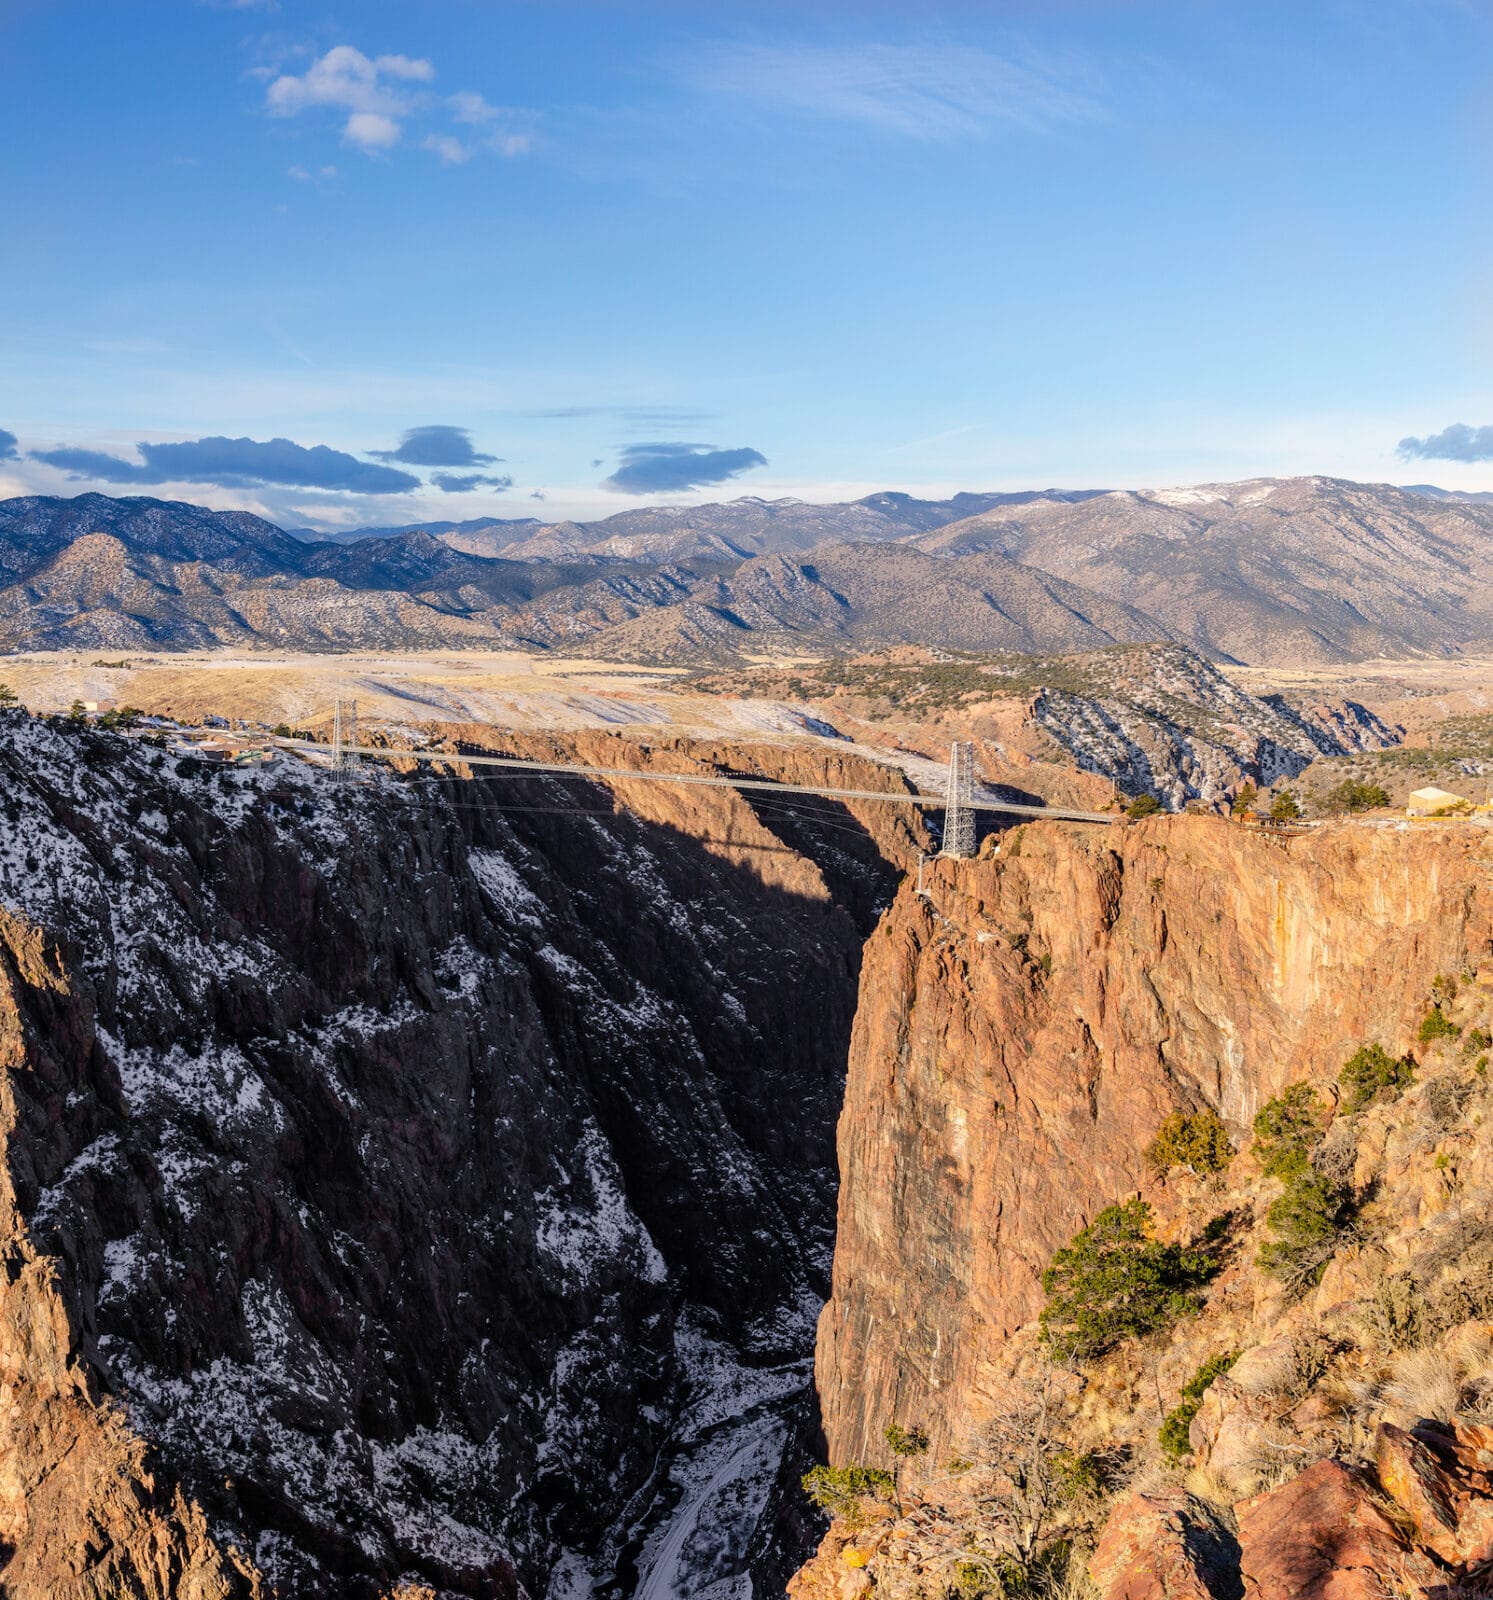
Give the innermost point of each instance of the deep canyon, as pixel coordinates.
(430, 1183)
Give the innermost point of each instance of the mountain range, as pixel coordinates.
(1271, 571)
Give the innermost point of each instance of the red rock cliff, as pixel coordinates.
(1024, 1029)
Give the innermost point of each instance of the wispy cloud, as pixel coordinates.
(448, 147)
(464, 483)
(642, 416)
(8, 450)
(664, 468)
(919, 91)
(502, 125)
(1456, 443)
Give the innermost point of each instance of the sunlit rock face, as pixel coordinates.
(409, 1186)
(1024, 1028)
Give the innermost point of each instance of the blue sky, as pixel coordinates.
(436, 258)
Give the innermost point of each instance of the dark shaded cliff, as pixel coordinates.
(395, 1164)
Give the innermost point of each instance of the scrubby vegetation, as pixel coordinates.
(906, 1441)
(1285, 807)
(1199, 1142)
(1307, 1218)
(1144, 805)
(1371, 1074)
(845, 1492)
(1435, 1025)
(1287, 1130)
(1115, 1282)
(1173, 1436)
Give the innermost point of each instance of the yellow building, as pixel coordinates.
(1427, 802)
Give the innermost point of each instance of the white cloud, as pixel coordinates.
(450, 149)
(372, 91)
(344, 79)
(471, 108)
(371, 130)
(921, 91)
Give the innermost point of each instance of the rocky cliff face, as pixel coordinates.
(410, 1180)
(1025, 1028)
(1023, 1031)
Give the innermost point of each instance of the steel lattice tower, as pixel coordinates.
(959, 816)
(344, 737)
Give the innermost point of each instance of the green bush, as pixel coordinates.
(1199, 1142)
(1115, 1282)
(1307, 1220)
(1284, 807)
(906, 1441)
(1078, 1475)
(8, 695)
(1244, 799)
(1352, 795)
(1287, 1130)
(1371, 1074)
(843, 1491)
(1174, 1426)
(1475, 1042)
(1144, 805)
(1434, 1025)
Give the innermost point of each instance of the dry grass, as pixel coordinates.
(1425, 1385)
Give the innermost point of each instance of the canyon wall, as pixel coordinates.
(397, 1174)
(1025, 1027)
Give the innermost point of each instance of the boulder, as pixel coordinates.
(1440, 1477)
(1231, 1432)
(1166, 1547)
(1322, 1537)
(1415, 1480)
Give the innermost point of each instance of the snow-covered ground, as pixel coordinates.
(689, 1539)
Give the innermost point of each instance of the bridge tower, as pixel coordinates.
(959, 816)
(344, 737)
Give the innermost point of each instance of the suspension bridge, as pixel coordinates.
(959, 802)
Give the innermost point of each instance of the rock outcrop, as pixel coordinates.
(1322, 1536)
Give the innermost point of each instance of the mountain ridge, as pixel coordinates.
(1302, 571)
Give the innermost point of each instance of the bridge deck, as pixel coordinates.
(766, 785)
